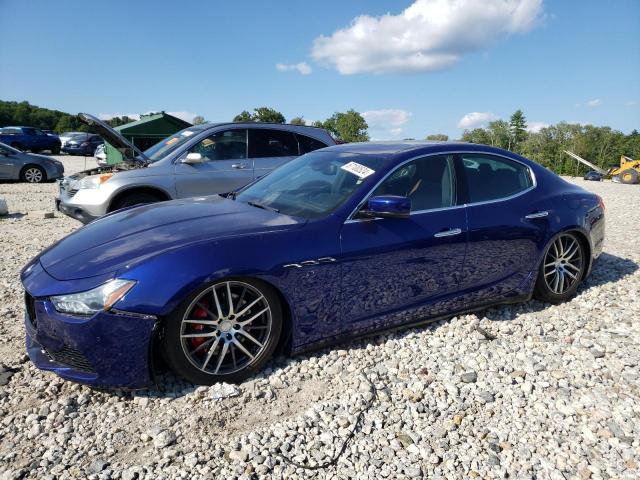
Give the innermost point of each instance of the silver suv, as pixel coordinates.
(200, 160)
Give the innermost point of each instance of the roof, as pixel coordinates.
(156, 123)
(392, 148)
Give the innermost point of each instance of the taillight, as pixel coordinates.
(600, 202)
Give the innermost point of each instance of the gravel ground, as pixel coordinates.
(554, 395)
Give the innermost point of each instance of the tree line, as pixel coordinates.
(602, 146)
(23, 113)
(349, 126)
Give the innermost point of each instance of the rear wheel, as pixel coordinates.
(17, 145)
(33, 174)
(135, 198)
(225, 332)
(562, 269)
(55, 150)
(629, 176)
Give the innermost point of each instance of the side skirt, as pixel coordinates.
(417, 323)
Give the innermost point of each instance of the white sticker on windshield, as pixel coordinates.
(187, 133)
(358, 170)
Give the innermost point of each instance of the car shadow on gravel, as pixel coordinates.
(607, 269)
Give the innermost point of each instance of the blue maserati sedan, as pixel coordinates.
(338, 243)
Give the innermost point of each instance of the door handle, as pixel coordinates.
(448, 233)
(239, 165)
(541, 214)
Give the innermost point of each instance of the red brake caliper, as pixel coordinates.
(198, 313)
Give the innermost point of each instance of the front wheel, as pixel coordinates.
(55, 150)
(562, 269)
(33, 174)
(135, 198)
(629, 176)
(223, 333)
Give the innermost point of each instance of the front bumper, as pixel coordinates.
(54, 171)
(75, 212)
(107, 350)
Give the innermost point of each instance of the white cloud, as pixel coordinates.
(303, 67)
(186, 116)
(476, 119)
(535, 127)
(386, 117)
(631, 103)
(428, 35)
(594, 103)
(386, 123)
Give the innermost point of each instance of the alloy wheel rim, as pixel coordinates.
(225, 328)
(33, 175)
(563, 264)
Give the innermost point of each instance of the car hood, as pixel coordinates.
(123, 239)
(129, 152)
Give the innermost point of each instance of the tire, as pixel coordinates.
(55, 151)
(222, 349)
(629, 176)
(562, 269)
(33, 174)
(18, 146)
(135, 198)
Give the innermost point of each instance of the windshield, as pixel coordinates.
(169, 145)
(70, 134)
(313, 185)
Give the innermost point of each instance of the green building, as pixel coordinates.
(146, 132)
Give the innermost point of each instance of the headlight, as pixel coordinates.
(88, 303)
(93, 181)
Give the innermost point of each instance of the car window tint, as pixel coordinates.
(11, 131)
(264, 142)
(429, 182)
(225, 145)
(490, 178)
(29, 131)
(308, 144)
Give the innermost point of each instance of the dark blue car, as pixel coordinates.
(337, 243)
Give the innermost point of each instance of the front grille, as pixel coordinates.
(73, 358)
(30, 307)
(72, 192)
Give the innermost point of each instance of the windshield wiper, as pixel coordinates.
(264, 207)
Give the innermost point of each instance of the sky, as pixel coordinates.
(411, 67)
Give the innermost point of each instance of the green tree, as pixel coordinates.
(297, 121)
(318, 124)
(243, 116)
(518, 129)
(261, 114)
(349, 126)
(198, 120)
(269, 115)
(438, 137)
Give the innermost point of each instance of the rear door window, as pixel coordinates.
(490, 177)
(308, 144)
(265, 142)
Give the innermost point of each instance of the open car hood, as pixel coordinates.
(129, 152)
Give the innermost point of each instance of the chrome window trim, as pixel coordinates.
(534, 184)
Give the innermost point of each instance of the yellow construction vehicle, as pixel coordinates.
(628, 172)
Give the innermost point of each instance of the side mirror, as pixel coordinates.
(387, 206)
(193, 157)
